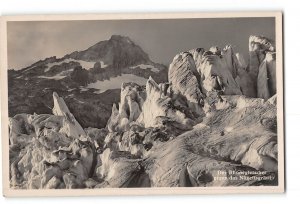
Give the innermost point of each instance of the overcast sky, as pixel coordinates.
(29, 42)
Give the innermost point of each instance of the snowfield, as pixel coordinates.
(146, 66)
(85, 65)
(116, 82)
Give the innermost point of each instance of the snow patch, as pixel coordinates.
(83, 89)
(116, 82)
(30, 68)
(85, 64)
(103, 65)
(146, 66)
(79, 101)
(56, 77)
(69, 90)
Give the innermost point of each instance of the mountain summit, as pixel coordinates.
(89, 80)
(118, 52)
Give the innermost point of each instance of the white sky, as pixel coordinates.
(29, 42)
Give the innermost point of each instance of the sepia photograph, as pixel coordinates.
(130, 104)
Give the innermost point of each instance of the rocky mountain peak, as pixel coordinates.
(117, 52)
(121, 38)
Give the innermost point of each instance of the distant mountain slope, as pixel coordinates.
(118, 52)
(85, 78)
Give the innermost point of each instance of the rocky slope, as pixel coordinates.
(190, 131)
(88, 80)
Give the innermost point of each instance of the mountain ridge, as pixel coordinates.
(97, 51)
(71, 76)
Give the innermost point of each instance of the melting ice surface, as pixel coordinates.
(116, 82)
